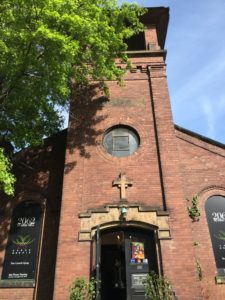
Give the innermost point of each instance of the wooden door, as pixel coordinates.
(140, 259)
(126, 257)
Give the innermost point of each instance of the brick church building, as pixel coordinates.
(109, 196)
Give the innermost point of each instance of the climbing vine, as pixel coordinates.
(194, 210)
(199, 270)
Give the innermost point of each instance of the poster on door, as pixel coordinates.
(22, 247)
(138, 252)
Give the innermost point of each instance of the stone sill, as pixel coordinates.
(13, 283)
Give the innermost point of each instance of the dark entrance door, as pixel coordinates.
(127, 255)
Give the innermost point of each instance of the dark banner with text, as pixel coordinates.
(215, 211)
(22, 247)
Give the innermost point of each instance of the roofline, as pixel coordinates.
(199, 136)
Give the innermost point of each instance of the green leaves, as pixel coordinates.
(6, 178)
(46, 43)
(43, 45)
(158, 287)
(82, 289)
(194, 210)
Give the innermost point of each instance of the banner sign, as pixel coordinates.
(215, 212)
(22, 246)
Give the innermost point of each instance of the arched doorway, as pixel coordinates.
(126, 255)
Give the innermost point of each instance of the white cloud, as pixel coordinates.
(196, 66)
(210, 118)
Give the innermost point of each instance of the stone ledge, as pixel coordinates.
(140, 207)
(146, 53)
(220, 279)
(164, 234)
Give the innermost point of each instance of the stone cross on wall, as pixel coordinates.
(122, 182)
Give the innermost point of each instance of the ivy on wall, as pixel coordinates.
(194, 210)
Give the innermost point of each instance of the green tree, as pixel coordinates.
(47, 47)
(6, 178)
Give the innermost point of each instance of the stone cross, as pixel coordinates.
(122, 182)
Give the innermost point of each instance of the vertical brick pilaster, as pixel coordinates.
(177, 254)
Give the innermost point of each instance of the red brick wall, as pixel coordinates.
(151, 38)
(88, 184)
(181, 272)
(202, 166)
(168, 167)
(16, 294)
(90, 172)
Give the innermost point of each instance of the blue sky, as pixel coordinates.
(196, 64)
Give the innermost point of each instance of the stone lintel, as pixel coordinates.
(136, 213)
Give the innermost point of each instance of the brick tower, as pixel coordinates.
(122, 156)
(108, 196)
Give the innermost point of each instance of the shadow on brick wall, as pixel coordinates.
(84, 118)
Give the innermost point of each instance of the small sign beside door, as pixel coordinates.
(137, 280)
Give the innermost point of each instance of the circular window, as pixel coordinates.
(121, 141)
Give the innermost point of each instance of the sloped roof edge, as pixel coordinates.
(199, 136)
(46, 140)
